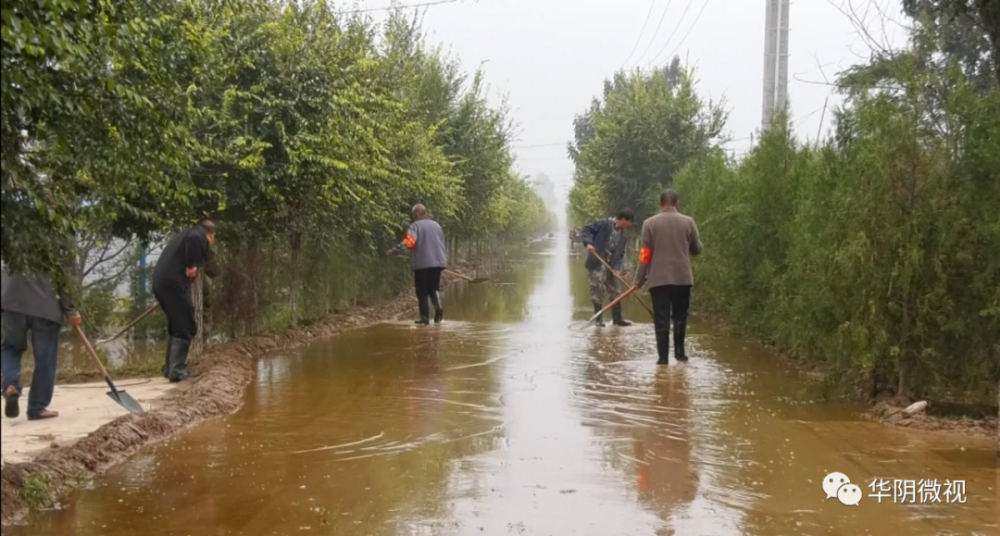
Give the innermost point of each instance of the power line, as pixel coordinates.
(638, 39)
(693, 24)
(656, 31)
(678, 27)
(795, 122)
(406, 6)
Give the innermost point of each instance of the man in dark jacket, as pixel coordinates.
(607, 238)
(669, 241)
(428, 257)
(30, 303)
(177, 266)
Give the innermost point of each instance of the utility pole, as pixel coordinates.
(775, 60)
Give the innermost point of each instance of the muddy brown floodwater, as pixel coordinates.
(504, 421)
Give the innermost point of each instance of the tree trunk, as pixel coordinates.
(198, 344)
(903, 345)
(250, 299)
(293, 286)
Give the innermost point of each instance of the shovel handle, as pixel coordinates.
(90, 351)
(613, 303)
(131, 324)
(622, 279)
(456, 274)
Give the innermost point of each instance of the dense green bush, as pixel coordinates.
(876, 252)
(305, 133)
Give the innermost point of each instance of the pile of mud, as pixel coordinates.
(890, 412)
(215, 390)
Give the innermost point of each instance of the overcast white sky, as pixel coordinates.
(550, 57)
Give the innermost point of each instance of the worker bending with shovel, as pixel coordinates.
(176, 268)
(606, 241)
(424, 241)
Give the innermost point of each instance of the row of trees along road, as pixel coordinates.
(875, 252)
(306, 133)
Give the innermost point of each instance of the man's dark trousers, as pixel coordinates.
(175, 300)
(45, 343)
(178, 305)
(670, 302)
(428, 285)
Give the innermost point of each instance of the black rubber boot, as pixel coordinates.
(438, 310)
(616, 314)
(679, 331)
(600, 320)
(166, 358)
(178, 359)
(425, 311)
(663, 347)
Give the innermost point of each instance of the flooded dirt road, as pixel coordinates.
(504, 421)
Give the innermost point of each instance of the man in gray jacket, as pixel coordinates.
(29, 303)
(669, 240)
(428, 257)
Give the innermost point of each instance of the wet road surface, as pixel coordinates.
(505, 421)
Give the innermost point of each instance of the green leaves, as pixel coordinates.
(631, 143)
(877, 252)
(83, 140)
(869, 253)
(136, 117)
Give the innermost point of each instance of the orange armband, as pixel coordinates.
(645, 255)
(409, 241)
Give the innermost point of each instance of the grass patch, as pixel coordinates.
(68, 372)
(146, 368)
(37, 491)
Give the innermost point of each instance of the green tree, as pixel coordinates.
(631, 143)
(959, 24)
(93, 119)
(876, 253)
(305, 133)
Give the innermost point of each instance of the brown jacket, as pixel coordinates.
(669, 240)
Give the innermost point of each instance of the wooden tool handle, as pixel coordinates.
(90, 350)
(456, 274)
(616, 301)
(622, 279)
(130, 325)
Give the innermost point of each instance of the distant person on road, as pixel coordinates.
(669, 240)
(176, 268)
(31, 303)
(607, 238)
(428, 257)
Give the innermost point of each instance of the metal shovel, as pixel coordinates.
(121, 397)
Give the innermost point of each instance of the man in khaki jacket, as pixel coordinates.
(669, 240)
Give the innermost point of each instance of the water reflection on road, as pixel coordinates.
(505, 421)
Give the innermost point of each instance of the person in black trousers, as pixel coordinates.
(177, 266)
(429, 257)
(669, 240)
